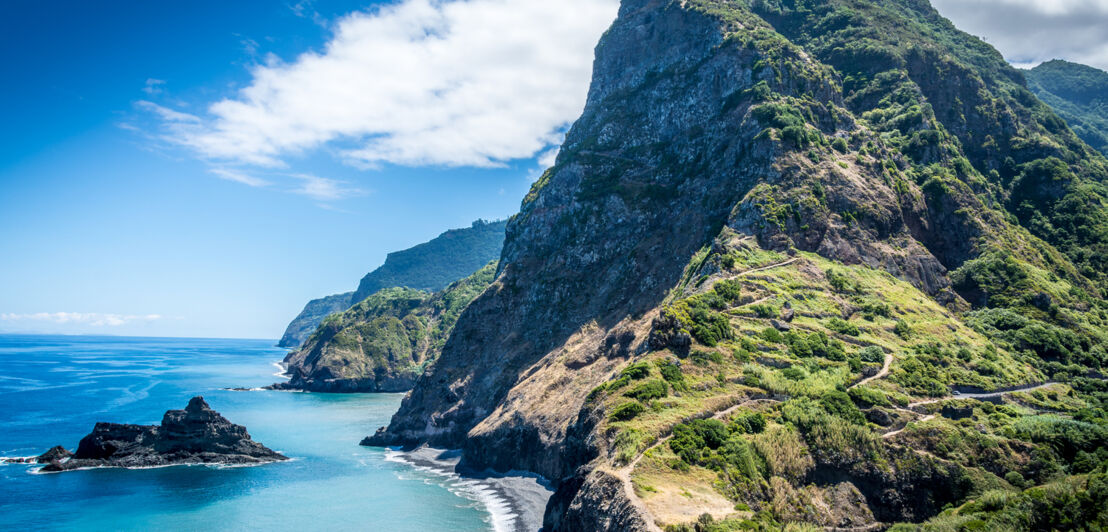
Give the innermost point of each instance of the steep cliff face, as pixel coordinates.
(430, 266)
(385, 342)
(305, 323)
(1078, 93)
(747, 220)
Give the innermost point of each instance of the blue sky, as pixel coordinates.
(110, 223)
(204, 168)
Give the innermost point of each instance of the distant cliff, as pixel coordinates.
(429, 266)
(433, 265)
(385, 342)
(308, 319)
(1079, 94)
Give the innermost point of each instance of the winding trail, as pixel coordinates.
(770, 267)
(990, 395)
(624, 473)
(884, 372)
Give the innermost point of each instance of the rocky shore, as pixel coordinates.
(195, 435)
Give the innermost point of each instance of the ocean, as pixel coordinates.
(54, 388)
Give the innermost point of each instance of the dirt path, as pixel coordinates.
(923, 419)
(990, 395)
(884, 371)
(770, 267)
(624, 473)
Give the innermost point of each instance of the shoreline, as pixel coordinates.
(516, 501)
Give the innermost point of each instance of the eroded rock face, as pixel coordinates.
(195, 435)
(686, 134)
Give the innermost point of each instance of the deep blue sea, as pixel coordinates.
(54, 388)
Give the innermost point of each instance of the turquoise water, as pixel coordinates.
(54, 388)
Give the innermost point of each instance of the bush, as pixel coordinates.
(866, 396)
(815, 344)
(703, 358)
(872, 354)
(691, 440)
(839, 404)
(843, 327)
(902, 329)
(645, 391)
(752, 423)
(672, 374)
(772, 335)
(627, 411)
(730, 290)
(636, 371)
(763, 310)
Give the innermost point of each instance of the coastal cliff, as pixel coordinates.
(776, 238)
(305, 323)
(385, 342)
(430, 266)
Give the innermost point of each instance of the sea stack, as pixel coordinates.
(195, 435)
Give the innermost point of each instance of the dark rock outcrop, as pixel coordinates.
(54, 454)
(195, 435)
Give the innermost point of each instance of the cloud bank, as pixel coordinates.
(416, 83)
(1029, 32)
(82, 318)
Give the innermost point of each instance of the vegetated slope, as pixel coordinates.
(436, 263)
(761, 205)
(304, 323)
(429, 266)
(385, 342)
(1079, 94)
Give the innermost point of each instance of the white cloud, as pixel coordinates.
(174, 119)
(153, 86)
(94, 319)
(419, 82)
(1029, 32)
(239, 177)
(324, 189)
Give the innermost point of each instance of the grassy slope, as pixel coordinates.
(395, 331)
(758, 371)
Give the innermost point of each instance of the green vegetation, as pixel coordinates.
(1079, 94)
(433, 265)
(386, 340)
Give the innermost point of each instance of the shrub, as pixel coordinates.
(672, 374)
(730, 290)
(793, 374)
(843, 327)
(772, 335)
(902, 329)
(645, 391)
(691, 440)
(867, 396)
(703, 358)
(839, 404)
(626, 411)
(752, 423)
(763, 310)
(872, 354)
(636, 371)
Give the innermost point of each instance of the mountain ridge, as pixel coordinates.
(431, 266)
(762, 205)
